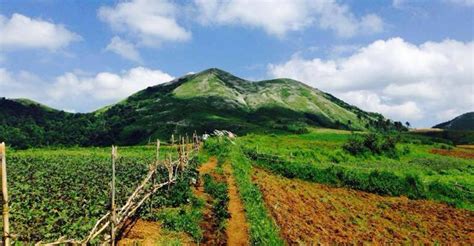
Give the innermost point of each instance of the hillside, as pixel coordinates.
(202, 102)
(464, 122)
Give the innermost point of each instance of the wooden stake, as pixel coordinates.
(157, 151)
(112, 207)
(6, 222)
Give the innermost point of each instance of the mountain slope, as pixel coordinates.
(202, 102)
(214, 99)
(25, 123)
(464, 122)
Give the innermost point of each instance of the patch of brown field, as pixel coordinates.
(466, 147)
(310, 213)
(454, 152)
(209, 225)
(148, 233)
(237, 227)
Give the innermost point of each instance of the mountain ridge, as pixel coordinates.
(201, 102)
(464, 122)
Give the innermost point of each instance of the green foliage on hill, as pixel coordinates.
(212, 99)
(464, 122)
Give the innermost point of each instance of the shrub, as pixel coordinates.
(354, 145)
(372, 143)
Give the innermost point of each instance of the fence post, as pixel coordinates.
(155, 167)
(112, 207)
(6, 222)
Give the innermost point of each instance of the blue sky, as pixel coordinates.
(410, 60)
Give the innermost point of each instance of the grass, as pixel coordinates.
(263, 230)
(182, 219)
(218, 191)
(319, 157)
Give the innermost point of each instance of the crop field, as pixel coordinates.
(415, 170)
(57, 192)
(272, 189)
(305, 188)
(315, 213)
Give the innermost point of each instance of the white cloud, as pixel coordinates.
(151, 22)
(72, 89)
(22, 84)
(23, 32)
(124, 49)
(79, 91)
(404, 81)
(281, 16)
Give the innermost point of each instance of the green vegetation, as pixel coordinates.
(212, 99)
(372, 144)
(263, 230)
(320, 157)
(181, 219)
(464, 122)
(446, 136)
(218, 191)
(53, 196)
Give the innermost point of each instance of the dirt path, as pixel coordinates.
(311, 213)
(237, 227)
(209, 223)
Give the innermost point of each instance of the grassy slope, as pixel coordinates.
(212, 99)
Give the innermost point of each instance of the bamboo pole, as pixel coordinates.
(6, 222)
(112, 207)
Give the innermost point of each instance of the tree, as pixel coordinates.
(407, 124)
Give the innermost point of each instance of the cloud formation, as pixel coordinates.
(23, 32)
(124, 48)
(76, 91)
(149, 21)
(403, 81)
(280, 17)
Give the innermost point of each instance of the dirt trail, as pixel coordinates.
(311, 213)
(237, 227)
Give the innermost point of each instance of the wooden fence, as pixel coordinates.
(106, 228)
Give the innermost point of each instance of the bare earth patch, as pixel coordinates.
(237, 227)
(460, 153)
(310, 213)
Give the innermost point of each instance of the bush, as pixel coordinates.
(372, 143)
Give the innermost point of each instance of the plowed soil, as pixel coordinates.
(310, 213)
(237, 227)
(466, 154)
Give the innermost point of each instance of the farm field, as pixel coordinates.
(63, 192)
(313, 213)
(248, 187)
(415, 170)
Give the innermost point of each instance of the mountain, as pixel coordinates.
(464, 122)
(202, 102)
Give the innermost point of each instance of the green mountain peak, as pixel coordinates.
(208, 100)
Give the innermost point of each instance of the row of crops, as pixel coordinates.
(56, 193)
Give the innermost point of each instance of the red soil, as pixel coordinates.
(310, 213)
(466, 154)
